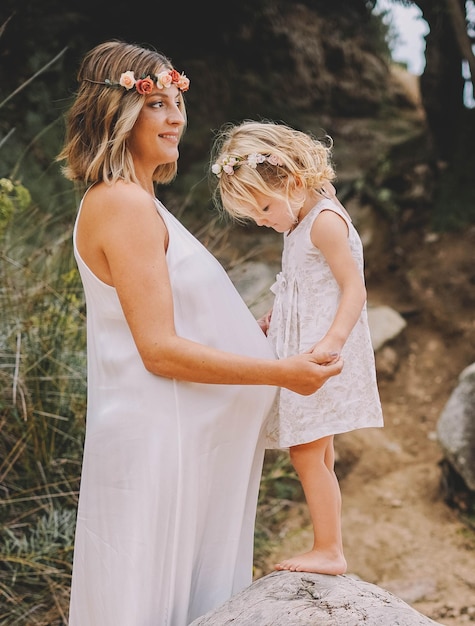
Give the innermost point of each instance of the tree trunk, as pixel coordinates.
(442, 83)
(459, 24)
(302, 599)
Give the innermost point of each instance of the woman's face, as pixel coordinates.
(156, 134)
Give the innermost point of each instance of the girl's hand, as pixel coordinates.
(327, 347)
(264, 322)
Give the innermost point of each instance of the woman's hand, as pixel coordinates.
(306, 373)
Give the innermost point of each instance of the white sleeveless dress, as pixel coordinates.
(171, 470)
(306, 300)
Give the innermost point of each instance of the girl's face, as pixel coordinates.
(156, 134)
(277, 213)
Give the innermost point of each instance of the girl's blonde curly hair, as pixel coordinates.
(293, 160)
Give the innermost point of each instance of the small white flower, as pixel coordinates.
(217, 169)
(254, 159)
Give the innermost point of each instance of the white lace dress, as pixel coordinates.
(171, 469)
(306, 300)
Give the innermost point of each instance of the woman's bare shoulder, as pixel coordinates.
(116, 195)
(119, 211)
(119, 203)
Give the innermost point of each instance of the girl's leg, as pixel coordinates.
(314, 463)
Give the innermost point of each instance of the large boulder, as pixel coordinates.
(303, 599)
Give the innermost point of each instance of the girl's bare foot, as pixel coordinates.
(315, 562)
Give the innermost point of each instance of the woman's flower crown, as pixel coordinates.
(228, 163)
(145, 84)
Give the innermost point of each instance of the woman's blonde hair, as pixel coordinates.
(269, 158)
(100, 120)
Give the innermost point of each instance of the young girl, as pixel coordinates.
(281, 178)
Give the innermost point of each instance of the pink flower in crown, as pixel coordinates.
(144, 85)
(229, 163)
(127, 80)
(164, 79)
(183, 83)
(273, 160)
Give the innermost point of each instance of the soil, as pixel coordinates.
(399, 530)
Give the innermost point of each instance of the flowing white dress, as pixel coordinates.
(306, 300)
(171, 469)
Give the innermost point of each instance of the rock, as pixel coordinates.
(384, 324)
(253, 280)
(303, 599)
(387, 361)
(412, 589)
(456, 427)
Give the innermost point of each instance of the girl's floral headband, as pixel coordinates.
(145, 84)
(228, 163)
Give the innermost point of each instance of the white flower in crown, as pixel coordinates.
(254, 159)
(217, 169)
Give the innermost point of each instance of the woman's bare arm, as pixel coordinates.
(127, 249)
